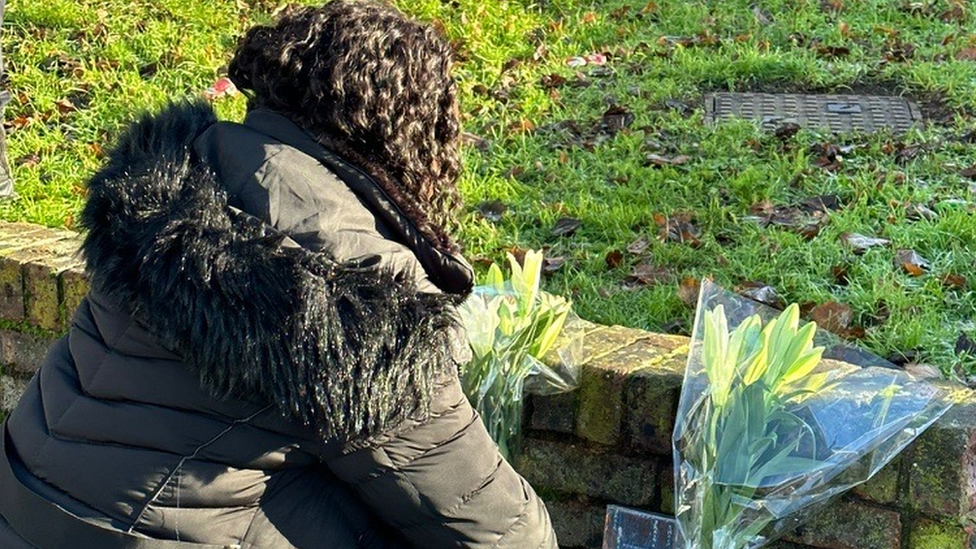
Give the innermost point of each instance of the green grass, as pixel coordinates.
(116, 58)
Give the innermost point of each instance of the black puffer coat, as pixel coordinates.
(338, 421)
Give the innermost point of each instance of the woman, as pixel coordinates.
(267, 358)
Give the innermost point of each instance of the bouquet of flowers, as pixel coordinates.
(514, 328)
(770, 427)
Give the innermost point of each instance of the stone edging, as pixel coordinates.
(608, 442)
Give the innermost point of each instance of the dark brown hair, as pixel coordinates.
(375, 87)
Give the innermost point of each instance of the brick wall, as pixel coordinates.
(608, 442)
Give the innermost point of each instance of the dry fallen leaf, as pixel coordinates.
(552, 263)
(492, 210)
(911, 262)
(861, 243)
(658, 160)
(65, 106)
(965, 345)
(638, 246)
(761, 292)
(688, 290)
(967, 54)
(566, 226)
(969, 172)
(833, 317)
(614, 259)
(953, 280)
(787, 130)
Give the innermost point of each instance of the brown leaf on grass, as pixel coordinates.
(566, 226)
(677, 228)
(911, 262)
(620, 13)
(518, 253)
(647, 274)
(966, 54)
(492, 210)
(616, 118)
(589, 17)
(551, 81)
(956, 281)
(861, 243)
(787, 130)
(552, 263)
(969, 172)
(761, 292)
(652, 159)
(21, 121)
(832, 5)
(28, 160)
(478, 142)
(807, 220)
(827, 156)
(650, 7)
(844, 29)
(841, 274)
(956, 12)
(965, 345)
(614, 259)
(918, 212)
(521, 125)
(833, 52)
(65, 106)
(688, 290)
(638, 246)
(833, 317)
(899, 51)
(96, 150)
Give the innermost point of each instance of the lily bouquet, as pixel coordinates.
(770, 426)
(513, 328)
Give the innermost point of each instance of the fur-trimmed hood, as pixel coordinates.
(349, 349)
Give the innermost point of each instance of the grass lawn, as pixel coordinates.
(610, 166)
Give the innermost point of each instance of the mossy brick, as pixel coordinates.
(555, 413)
(23, 352)
(930, 534)
(74, 287)
(601, 342)
(850, 525)
(665, 482)
(13, 257)
(42, 283)
(650, 404)
(575, 469)
(601, 408)
(942, 468)
(578, 524)
(883, 486)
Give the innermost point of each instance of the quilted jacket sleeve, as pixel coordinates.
(443, 484)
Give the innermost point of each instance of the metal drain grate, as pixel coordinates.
(837, 113)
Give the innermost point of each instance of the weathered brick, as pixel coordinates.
(929, 534)
(942, 470)
(601, 408)
(11, 290)
(23, 352)
(849, 525)
(74, 286)
(41, 283)
(578, 525)
(665, 482)
(12, 387)
(883, 486)
(556, 413)
(573, 469)
(650, 403)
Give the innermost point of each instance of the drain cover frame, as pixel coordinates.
(837, 113)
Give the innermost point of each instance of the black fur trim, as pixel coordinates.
(349, 350)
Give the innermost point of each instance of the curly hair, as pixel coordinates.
(373, 86)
